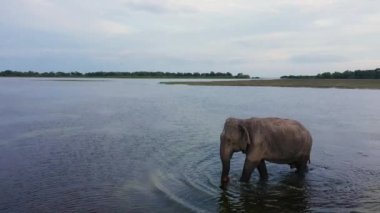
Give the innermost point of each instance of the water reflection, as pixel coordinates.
(290, 193)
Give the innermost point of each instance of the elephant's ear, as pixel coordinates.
(245, 134)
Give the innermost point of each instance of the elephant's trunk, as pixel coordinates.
(225, 156)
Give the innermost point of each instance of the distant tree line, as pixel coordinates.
(139, 74)
(357, 74)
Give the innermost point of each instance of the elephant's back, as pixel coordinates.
(284, 137)
(278, 125)
(284, 128)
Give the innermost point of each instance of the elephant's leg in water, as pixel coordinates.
(249, 166)
(262, 170)
(301, 165)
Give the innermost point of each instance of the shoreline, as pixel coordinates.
(308, 83)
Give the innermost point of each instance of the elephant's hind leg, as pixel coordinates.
(301, 165)
(262, 170)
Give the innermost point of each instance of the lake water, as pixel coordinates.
(140, 146)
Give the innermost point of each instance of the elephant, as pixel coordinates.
(277, 140)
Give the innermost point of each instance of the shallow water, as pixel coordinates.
(139, 146)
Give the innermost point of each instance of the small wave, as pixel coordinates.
(200, 187)
(157, 181)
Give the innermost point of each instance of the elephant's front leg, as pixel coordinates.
(248, 169)
(263, 170)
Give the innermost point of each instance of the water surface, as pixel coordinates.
(139, 146)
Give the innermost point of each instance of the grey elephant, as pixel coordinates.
(276, 140)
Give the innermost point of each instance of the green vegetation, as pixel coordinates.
(359, 79)
(315, 83)
(140, 74)
(358, 74)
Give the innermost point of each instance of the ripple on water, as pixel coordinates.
(321, 188)
(166, 183)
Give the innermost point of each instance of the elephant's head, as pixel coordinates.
(234, 138)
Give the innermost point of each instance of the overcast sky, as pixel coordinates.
(262, 38)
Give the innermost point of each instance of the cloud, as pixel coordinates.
(262, 38)
(325, 23)
(159, 7)
(318, 58)
(112, 28)
(66, 18)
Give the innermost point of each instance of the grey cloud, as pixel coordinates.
(158, 7)
(256, 37)
(318, 58)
